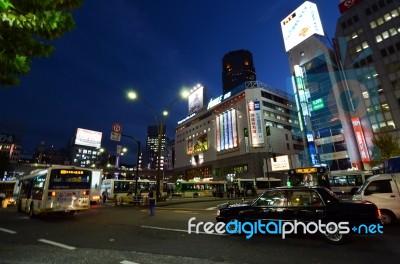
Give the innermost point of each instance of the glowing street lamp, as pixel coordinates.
(132, 95)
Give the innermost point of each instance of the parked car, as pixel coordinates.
(303, 204)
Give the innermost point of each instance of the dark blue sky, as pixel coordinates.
(154, 47)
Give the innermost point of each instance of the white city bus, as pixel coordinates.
(57, 189)
(245, 186)
(123, 191)
(347, 182)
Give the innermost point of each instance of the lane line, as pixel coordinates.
(181, 230)
(56, 244)
(211, 208)
(8, 231)
(128, 262)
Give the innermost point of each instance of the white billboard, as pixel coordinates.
(256, 127)
(195, 100)
(281, 163)
(88, 138)
(301, 24)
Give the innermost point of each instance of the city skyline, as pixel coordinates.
(156, 51)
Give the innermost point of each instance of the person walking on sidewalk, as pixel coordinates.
(152, 202)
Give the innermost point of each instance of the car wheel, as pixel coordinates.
(195, 195)
(387, 217)
(19, 207)
(31, 213)
(335, 237)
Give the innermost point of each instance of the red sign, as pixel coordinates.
(362, 146)
(347, 4)
(116, 128)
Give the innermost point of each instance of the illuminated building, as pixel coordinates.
(229, 136)
(152, 147)
(237, 68)
(85, 150)
(367, 41)
(319, 91)
(10, 146)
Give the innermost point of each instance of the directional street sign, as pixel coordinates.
(115, 136)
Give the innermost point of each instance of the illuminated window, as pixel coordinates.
(385, 35)
(378, 38)
(372, 24)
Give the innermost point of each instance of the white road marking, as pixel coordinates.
(211, 208)
(180, 230)
(8, 231)
(128, 262)
(56, 244)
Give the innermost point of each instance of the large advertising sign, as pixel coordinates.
(281, 163)
(256, 129)
(88, 138)
(7, 139)
(197, 144)
(362, 146)
(301, 24)
(226, 130)
(195, 100)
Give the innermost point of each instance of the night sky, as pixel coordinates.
(154, 47)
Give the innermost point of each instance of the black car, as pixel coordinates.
(311, 208)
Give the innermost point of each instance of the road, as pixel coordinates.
(128, 235)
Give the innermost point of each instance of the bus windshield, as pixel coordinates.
(309, 176)
(69, 179)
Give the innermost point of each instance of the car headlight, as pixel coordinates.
(218, 212)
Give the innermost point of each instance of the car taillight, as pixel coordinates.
(378, 214)
(85, 193)
(52, 194)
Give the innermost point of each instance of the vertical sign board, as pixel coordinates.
(256, 130)
(362, 146)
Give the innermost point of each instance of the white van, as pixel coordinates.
(384, 191)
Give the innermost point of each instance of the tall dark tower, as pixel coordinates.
(237, 68)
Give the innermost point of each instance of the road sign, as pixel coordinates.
(115, 136)
(116, 128)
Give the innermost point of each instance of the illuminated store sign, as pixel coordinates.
(281, 163)
(317, 104)
(215, 101)
(256, 129)
(301, 24)
(362, 146)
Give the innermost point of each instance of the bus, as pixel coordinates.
(347, 182)
(57, 189)
(200, 188)
(245, 186)
(123, 191)
(7, 189)
(309, 176)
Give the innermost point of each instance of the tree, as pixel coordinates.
(385, 147)
(5, 164)
(26, 29)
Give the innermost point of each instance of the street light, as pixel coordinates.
(132, 95)
(137, 162)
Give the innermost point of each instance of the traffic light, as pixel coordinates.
(274, 157)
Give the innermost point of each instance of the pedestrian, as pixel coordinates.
(152, 202)
(104, 194)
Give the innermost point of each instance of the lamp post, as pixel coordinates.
(137, 161)
(132, 95)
